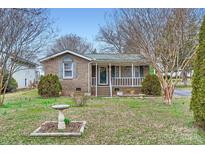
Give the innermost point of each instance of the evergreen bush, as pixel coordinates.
(151, 85)
(12, 84)
(197, 104)
(49, 86)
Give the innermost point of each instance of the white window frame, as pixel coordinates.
(67, 77)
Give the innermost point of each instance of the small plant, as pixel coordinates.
(67, 121)
(80, 99)
(4, 113)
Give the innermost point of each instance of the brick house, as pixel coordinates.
(97, 74)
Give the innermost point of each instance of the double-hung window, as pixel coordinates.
(137, 71)
(115, 71)
(68, 70)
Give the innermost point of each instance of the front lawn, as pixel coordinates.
(109, 120)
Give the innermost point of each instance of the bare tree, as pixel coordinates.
(23, 32)
(71, 42)
(112, 37)
(163, 36)
(167, 38)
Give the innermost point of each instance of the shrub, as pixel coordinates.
(197, 104)
(151, 85)
(12, 84)
(49, 86)
(80, 99)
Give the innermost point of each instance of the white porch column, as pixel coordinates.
(110, 79)
(120, 71)
(96, 80)
(132, 74)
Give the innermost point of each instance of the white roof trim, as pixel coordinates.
(63, 52)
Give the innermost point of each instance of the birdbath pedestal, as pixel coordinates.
(60, 108)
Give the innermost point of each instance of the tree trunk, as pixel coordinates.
(1, 85)
(168, 94)
(184, 78)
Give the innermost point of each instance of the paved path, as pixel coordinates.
(182, 92)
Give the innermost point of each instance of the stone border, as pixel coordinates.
(36, 133)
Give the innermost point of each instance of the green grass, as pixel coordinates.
(109, 120)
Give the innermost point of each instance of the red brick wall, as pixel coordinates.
(104, 91)
(69, 86)
(146, 70)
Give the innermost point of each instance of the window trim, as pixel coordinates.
(67, 77)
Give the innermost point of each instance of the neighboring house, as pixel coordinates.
(27, 75)
(97, 74)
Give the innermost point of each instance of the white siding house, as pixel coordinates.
(27, 74)
(25, 77)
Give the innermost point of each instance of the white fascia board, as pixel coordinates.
(66, 51)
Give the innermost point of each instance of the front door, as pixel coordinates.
(103, 75)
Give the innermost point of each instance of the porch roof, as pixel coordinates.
(117, 57)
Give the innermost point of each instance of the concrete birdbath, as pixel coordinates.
(61, 117)
(59, 128)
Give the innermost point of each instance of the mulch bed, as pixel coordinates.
(52, 127)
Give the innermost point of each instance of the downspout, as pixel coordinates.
(89, 76)
(96, 79)
(110, 78)
(132, 74)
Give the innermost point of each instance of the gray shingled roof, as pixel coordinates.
(104, 57)
(117, 57)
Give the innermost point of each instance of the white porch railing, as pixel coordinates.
(123, 81)
(127, 81)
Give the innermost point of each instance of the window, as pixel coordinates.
(25, 82)
(137, 71)
(126, 71)
(115, 71)
(141, 71)
(67, 70)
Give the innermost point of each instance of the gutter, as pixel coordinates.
(89, 76)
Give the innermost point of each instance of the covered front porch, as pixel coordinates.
(109, 78)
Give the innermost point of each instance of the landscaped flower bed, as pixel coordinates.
(50, 128)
